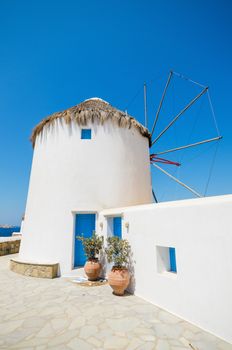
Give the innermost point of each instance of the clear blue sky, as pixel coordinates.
(54, 54)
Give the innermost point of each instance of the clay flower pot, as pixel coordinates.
(119, 279)
(92, 269)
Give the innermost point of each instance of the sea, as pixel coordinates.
(7, 232)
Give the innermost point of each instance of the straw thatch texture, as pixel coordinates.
(89, 111)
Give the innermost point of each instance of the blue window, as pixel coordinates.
(172, 258)
(117, 227)
(86, 134)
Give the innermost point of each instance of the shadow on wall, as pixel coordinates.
(103, 262)
(73, 128)
(131, 287)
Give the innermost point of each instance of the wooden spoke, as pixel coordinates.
(161, 102)
(178, 181)
(190, 145)
(180, 113)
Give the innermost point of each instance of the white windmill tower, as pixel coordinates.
(87, 158)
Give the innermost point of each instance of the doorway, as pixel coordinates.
(84, 226)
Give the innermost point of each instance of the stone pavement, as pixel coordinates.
(57, 314)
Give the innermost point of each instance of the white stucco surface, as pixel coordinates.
(110, 175)
(71, 175)
(201, 232)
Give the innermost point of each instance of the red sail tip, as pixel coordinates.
(155, 159)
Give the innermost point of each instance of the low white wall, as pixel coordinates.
(201, 232)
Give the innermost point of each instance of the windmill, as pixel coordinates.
(156, 158)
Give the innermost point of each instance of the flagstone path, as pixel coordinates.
(57, 314)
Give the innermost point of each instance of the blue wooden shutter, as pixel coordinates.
(86, 134)
(117, 227)
(172, 257)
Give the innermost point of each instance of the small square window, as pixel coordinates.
(166, 259)
(86, 134)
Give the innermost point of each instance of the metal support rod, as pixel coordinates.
(145, 103)
(213, 114)
(161, 102)
(155, 198)
(180, 113)
(188, 79)
(190, 145)
(178, 181)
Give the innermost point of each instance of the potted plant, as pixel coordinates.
(118, 252)
(92, 247)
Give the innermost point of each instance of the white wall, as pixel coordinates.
(21, 226)
(72, 175)
(201, 232)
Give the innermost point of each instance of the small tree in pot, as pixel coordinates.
(92, 247)
(118, 252)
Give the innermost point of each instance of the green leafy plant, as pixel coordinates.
(92, 245)
(118, 252)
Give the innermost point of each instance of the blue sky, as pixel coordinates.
(54, 54)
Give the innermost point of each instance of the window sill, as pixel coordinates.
(168, 274)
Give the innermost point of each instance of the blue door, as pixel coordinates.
(85, 225)
(117, 227)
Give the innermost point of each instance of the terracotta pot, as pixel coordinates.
(92, 269)
(119, 280)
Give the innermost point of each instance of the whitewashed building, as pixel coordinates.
(91, 171)
(88, 158)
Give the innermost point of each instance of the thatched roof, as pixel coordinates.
(91, 110)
